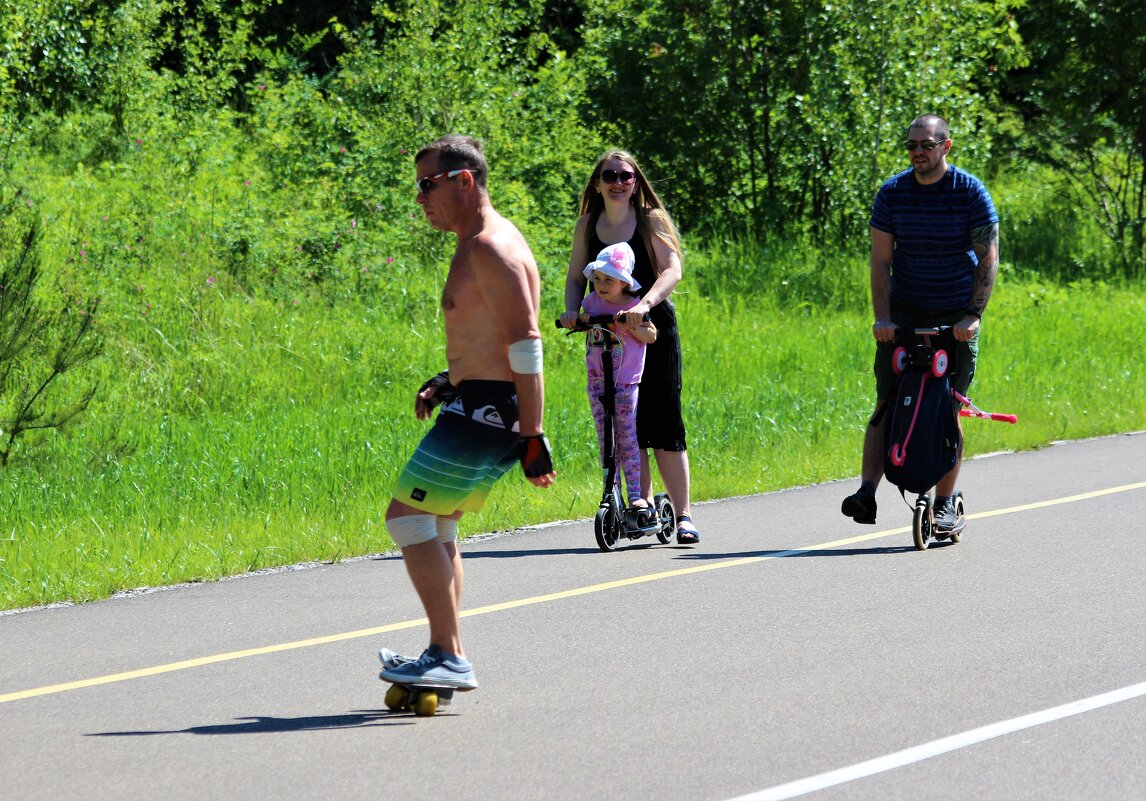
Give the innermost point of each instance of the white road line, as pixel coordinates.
(942, 746)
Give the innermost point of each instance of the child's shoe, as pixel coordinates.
(644, 517)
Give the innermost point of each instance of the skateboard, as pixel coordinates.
(424, 700)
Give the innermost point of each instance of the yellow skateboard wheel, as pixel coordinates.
(397, 698)
(426, 704)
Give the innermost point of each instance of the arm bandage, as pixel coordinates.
(525, 356)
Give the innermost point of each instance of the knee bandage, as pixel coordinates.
(447, 530)
(525, 356)
(412, 529)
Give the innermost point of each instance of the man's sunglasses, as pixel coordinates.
(911, 145)
(614, 177)
(427, 183)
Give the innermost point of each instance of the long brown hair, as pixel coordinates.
(645, 201)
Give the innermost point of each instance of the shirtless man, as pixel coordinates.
(492, 393)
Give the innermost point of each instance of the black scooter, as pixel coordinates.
(614, 519)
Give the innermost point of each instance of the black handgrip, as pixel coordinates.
(595, 319)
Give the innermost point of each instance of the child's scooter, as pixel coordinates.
(614, 519)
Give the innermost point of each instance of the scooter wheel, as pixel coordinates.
(897, 453)
(960, 513)
(939, 364)
(899, 361)
(607, 527)
(921, 522)
(666, 516)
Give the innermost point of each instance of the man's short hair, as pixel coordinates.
(942, 129)
(457, 152)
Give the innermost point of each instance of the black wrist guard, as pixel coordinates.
(443, 390)
(536, 459)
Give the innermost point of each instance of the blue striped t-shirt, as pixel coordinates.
(933, 263)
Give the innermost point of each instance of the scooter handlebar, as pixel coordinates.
(595, 319)
(932, 331)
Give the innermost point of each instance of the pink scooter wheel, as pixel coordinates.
(899, 361)
(939, 364)
(897, 453)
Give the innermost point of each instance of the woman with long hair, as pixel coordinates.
(618, 204)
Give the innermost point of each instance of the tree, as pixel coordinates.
(38, 346)
(779, 117)
(1083, 102)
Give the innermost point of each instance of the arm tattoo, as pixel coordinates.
(984, 237)
(985, 241)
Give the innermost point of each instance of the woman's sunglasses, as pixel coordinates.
(614, 177)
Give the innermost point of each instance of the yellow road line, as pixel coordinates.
(537, 599)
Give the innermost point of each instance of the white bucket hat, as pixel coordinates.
(616, 261)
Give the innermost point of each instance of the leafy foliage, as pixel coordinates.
(232, 179)
(1083, 103)
(779, 119)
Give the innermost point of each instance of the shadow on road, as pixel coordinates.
(687, 551)
(271, 725)
(470, 553)
(796, 552)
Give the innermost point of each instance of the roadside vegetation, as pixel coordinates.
(225, 294)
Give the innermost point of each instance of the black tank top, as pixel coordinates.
(643, 269)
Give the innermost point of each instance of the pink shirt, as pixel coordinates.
(628, 354)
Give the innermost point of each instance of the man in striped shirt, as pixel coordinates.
(934, 258)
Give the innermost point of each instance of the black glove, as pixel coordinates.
(536, 459)
(444, 391)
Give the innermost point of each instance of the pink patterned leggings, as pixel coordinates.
(625, 445)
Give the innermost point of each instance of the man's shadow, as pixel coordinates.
(272, 725)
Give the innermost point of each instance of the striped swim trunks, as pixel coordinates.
(472, 444)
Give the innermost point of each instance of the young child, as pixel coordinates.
(613, 292)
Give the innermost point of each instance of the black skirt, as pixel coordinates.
(659, 421)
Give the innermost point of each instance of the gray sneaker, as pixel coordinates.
(434, 668)
(392, 659)
(947, 520)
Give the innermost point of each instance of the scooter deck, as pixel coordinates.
(960, 524)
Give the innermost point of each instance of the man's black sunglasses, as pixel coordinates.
(926, 146)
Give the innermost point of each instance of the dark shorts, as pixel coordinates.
(906, 316)
(660, 423)
(472, 444)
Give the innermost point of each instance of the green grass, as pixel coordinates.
(271, 433)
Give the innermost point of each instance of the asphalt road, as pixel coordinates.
(792, 654)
